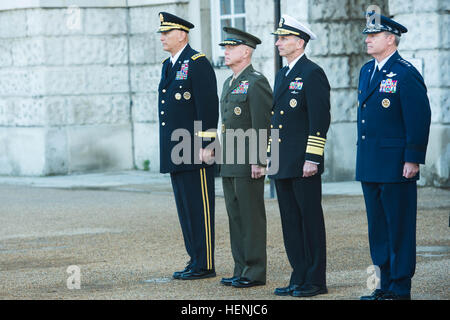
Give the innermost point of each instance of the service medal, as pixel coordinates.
(178, 96)
(237, 111)
(293, 103)
(187, 95)
(385, 103)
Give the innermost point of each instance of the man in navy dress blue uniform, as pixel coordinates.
(393, 126)
(188, 93)
(301, 113)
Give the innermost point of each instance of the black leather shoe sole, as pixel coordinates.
(286, 291)
(246, 283)
(195, 275)
(309, 292)
(228, 281)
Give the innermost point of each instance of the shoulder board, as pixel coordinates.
(197, 55)
(404, 62)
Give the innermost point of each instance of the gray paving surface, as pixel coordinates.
(121, 230)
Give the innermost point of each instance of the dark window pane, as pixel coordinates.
(239, 23)
(224, 23)
(225, 7)
(239, 6)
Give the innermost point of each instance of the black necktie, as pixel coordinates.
(375, 74)
(284, 70)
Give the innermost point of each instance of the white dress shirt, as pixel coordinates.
(292, 64)
(176, 56)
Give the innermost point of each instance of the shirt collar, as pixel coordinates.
(292, 64)
(381, 64)
(177, 55)
(235, 76)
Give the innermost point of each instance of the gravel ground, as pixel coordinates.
(127, 243)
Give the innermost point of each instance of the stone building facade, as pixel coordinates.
(78, 78)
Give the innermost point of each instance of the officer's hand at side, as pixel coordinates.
(309, 169)
(206, 155)
(410, 169)
(257, 171)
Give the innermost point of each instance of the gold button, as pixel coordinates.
(363, 137)
(162, 101)
(162, 112)
(318, 133)
(280, 126)
(281, 112)
(279, 140)
(163, 124)
(164, 90)
(271, 126)
(363, 121)
(273, 113)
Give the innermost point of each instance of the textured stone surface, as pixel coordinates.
(80, 87)
(99, 147)
(146, 139)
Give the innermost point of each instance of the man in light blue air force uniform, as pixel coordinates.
(393, 126)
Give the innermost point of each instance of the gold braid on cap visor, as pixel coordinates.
(166, 26)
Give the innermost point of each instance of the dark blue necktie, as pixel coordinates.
(375, 74)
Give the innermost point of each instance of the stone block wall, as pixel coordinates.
(427, 45)
(81, 95)
(64, 93)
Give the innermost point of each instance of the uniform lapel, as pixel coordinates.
(241, 77)
(285, 80)
(376, 81)
(176, 67)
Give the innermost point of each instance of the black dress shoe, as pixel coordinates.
(394, 296)
(177, 274)
(243, 282)
(309, 290)
(197, 274)
(376, 295)
(228, 281)
(286, 291)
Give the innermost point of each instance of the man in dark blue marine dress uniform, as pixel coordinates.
(393, 126)
(188, 93)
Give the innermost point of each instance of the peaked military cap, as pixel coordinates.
(378, 23)
(290, 26)
(236, 37)
(172, 22)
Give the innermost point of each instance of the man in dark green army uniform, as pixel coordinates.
(245, 107)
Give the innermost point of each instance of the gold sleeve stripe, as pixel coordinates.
(317, 138)
(314, 150)
(316, 145)
(207, 134)
(316, 141)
